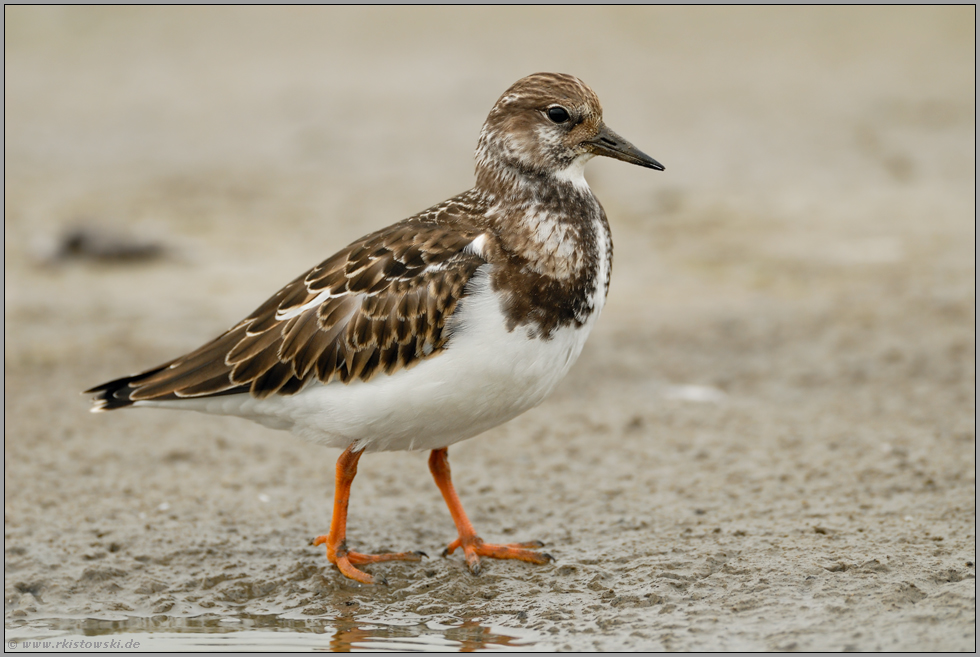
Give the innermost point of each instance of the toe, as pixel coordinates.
(345, 567)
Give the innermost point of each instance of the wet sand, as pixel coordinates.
(767, 444)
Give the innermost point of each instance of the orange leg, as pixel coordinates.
(336, 540)
(473, 546)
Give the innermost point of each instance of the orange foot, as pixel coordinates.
(474, 548)
(345, 560)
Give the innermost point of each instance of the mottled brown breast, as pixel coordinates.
(555, 255)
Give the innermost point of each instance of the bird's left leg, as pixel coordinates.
(473, 546)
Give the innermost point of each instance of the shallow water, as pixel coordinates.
(263, 632)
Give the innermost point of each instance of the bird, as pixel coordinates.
(433, 330)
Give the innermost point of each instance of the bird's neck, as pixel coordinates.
(516, 188)
(550, 222)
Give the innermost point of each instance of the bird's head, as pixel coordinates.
(548, 125)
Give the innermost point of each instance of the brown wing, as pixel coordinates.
(376, 307)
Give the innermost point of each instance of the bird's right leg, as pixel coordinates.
(336, 540)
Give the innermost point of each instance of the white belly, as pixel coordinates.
(485, 377)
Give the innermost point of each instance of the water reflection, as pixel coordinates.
(270, 632)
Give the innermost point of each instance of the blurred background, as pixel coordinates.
(802, 144)
(798, 284)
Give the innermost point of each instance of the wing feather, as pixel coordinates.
(302, 330)
(376, 307)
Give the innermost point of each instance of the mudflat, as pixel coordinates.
(767, 444)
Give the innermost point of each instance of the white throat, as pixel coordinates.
(575, 172)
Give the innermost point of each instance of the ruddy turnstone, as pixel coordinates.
(434, 329)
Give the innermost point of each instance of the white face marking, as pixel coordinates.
(575, 172)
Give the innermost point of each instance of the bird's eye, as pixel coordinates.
(558, 114)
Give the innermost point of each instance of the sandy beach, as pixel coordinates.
(768, 442)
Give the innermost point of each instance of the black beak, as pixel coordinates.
(610, 144)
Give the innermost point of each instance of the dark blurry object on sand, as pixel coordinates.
(91, 244)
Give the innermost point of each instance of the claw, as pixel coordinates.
(474, 548)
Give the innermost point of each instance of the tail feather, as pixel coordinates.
(118, 392)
